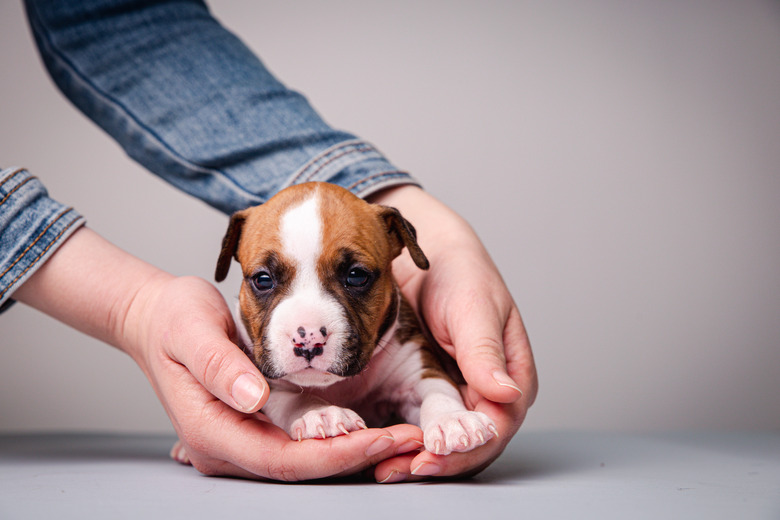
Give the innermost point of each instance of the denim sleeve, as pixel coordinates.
(189, 101)
(32, 227)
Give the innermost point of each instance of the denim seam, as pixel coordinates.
(366, 191)
(329, 156)
(15, 188)
(41, 254)
(354, 146)
(8, 179)
(76, 74)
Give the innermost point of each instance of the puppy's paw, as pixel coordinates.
(328, 421)
(179, 454)
(458, 431)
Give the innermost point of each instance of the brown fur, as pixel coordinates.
(409, 329)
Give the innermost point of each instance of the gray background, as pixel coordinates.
(619, 159)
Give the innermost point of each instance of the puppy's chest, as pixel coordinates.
(387, 381)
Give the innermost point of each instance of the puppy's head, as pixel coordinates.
(318, 291)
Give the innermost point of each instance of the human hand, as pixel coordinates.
(470, 313)
(179, 331)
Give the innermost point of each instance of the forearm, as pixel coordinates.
(89, 285)
(32, 228)
(189, 101)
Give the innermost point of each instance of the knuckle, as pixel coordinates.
(279, 469)
(486, 350)
(214, 363)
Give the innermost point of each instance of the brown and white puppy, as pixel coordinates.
(322, 318)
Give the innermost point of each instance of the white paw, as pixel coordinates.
(179, 454)
(328, 421)
(458, 431)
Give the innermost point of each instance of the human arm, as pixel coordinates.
(233, 139)
(189, 101)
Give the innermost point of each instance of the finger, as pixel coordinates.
(221, 367)
(479, 347)
(396, 469)
(408, 443)
(217, 440)
(284, 459)
(520, 359)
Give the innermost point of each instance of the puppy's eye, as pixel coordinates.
(263, 281)
(358, 277)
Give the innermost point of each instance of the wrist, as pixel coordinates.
(440, 231)
(91, 285)
(135, 315)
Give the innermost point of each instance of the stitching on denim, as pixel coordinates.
(8, 195)
(11, 176)
(330, 157)
(395, 173)
(163, 146)
(15, 188)
(42, 253)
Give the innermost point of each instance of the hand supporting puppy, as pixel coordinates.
(471, 314)
(179, 332)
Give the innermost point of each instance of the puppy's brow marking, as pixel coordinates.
(301, 233)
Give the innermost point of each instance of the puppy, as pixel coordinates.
(321, 316)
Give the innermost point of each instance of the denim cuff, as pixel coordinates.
(32, 227)
(355, 165)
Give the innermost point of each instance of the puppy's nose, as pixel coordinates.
(309, 342)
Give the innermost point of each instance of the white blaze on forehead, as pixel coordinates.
(307, 304)
(301, 233)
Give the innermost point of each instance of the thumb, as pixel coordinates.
(223, 369)
(480, 354)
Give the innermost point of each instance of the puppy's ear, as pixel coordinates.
(229, 245)
(402, 233)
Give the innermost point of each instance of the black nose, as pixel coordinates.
(309, 345)
(308, 353)
(302, 332)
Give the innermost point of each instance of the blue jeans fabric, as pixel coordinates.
(189, 101)
(32, 227)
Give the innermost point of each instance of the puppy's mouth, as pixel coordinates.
(310, 360)
(311, 376)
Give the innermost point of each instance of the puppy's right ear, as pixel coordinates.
(229, 245)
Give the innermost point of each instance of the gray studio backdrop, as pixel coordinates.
(619, 159)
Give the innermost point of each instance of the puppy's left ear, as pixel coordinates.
(229, 245)
(402, 233)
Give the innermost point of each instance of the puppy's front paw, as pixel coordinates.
(458, 431)
(328, 421)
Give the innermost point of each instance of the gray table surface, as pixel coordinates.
(541, 475)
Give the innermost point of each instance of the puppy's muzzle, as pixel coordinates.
(308, 343)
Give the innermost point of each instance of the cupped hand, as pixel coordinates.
(179, 332)
(469, 311)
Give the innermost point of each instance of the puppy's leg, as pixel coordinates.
(446, 423)
(304, 416)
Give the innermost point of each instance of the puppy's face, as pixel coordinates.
(318, 291)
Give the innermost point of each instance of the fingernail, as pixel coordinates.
(410, 446)
(503, 379)
(247, 392)
(380, 445)
(426, 469)
(394, 476)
